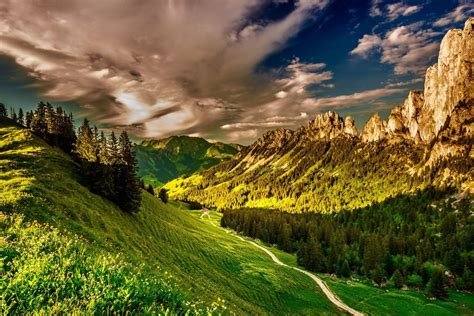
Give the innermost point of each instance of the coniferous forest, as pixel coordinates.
(404, 241)
(106, 165)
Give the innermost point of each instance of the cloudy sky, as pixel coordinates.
(222, 69)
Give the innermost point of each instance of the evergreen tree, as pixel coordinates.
(163, 195)
(398, 279)
(39, 126)
(3, 110)
(28, 119)
(13, 115)
(85, 145)
(127, 185)
(21, 117)
(436, 287)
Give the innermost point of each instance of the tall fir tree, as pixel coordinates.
(3, 110)
(127, 185)
(28, 119)
(39, 126)
(21, 117)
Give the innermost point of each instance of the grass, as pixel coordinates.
(208, 265)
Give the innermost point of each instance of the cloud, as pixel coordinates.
(459, 14)
(375, 9)
(367, 44)
(404, 83)
(271, 122)
(303, 75)
(166, 67)
(349, 100)
(408, 47)
(396, 10)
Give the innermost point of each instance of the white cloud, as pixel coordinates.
(367, 44)
(403, 83)
(409, 48)
(396, 10)
(349, 100)
(303, 75)
(459, 14)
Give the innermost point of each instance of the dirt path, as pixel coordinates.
(329, 294)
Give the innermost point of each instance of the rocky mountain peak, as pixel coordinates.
(275, 138)
(447, 83)
(374, 130)
(329, 125)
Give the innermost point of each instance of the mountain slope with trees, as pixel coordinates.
(206, 269)
(326, 166)
(160, 161)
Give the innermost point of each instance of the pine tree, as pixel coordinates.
(21, 117)
(398, 279)
(3, 110)
(13, 115)
(127, 185)
(85, 146)
(436, 287)
(163, 195)
(28, 119)
(39, 126)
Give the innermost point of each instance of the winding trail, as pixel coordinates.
(329, 294)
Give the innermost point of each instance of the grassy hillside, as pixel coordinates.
(207, 264)
(160, 161)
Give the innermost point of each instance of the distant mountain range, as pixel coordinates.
(328, 166)
(163, 160)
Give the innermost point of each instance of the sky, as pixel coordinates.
(226, 70)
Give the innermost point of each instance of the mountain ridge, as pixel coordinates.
(331, 166)
(161, 160)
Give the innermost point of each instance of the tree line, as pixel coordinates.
(404, 241)
(107, 165)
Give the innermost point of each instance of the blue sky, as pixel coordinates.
(224, 70)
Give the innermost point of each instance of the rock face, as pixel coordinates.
(447, 83)
(274, 139)
(374, 130)
(328, 126)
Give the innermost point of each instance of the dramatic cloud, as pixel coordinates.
(409, 48)
(396, 10)
(302, 76)
(460, 14)
(164, 67)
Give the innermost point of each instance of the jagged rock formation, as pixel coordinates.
(325, 166)
(328, 126)
(447, 83)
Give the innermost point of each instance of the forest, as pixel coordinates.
(106, 165)
(407, 240)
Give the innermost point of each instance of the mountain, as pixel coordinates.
(56, 234)
(426, 142)
(162, 160)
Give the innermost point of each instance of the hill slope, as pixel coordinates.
(160, 161)
(426, 141)
(206, 263)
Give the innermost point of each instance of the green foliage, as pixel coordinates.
(325, 176)
(397, 239)
(47, 272)
(213, 269)
(437, 287)
(160, 161)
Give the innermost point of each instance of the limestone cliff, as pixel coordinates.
(447, 83)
